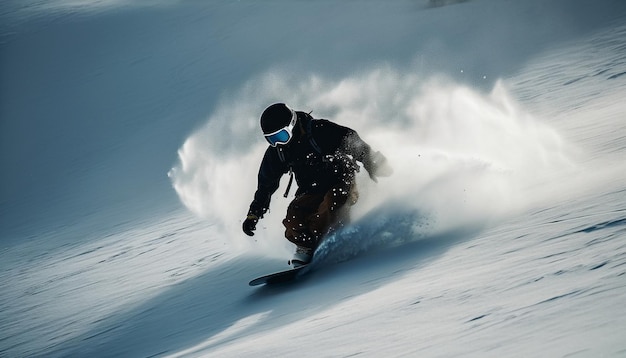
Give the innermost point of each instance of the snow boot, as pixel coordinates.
(302, 256)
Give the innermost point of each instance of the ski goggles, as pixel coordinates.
(283, 135)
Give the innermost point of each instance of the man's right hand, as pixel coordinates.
(249, 225)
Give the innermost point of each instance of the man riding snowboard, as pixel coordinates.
(323, 156)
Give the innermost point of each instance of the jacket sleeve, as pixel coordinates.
(270, 172)
(349, 141)
(375, 163)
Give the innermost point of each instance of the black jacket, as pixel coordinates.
(321, 158)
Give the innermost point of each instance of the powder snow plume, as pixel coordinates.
(462, 156)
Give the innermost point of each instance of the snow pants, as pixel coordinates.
(311, 216)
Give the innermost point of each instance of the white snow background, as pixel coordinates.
(130, 146)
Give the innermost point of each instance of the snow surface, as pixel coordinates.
(501, 232)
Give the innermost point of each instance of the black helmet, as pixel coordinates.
(277, 122)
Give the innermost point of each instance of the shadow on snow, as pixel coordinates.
(218, 306)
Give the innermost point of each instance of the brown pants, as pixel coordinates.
(311, 216)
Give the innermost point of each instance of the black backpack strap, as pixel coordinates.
(289, 184)
(309, 134)
(281, 156)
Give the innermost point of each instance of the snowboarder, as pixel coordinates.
(323, 156)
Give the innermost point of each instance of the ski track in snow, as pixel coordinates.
(546, 279)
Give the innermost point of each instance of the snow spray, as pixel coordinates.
(463, 157)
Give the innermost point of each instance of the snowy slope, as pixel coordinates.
(501, 232)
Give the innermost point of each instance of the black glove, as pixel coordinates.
(249, 225)
(377, 166)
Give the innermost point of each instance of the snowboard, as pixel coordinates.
(278, 277)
